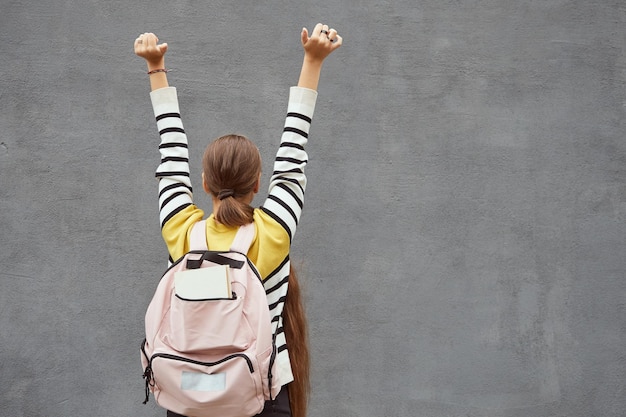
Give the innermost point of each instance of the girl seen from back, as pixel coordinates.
(231, 176)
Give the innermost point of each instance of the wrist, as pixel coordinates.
(156, 65)
(313, 61)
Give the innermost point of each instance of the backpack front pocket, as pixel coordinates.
(227, 383)
(203, 325)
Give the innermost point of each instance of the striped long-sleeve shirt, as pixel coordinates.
(276, 220)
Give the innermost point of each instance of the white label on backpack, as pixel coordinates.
(195, 381)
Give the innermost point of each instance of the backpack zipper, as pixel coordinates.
(183, 359)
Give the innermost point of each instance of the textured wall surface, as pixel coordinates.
(463, 244)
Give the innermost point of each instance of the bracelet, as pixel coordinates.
(157, 70)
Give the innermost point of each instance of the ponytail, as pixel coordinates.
(232, 212)
(296, 333)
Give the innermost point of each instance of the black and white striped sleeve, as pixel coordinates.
(288, 181)
(175, 192)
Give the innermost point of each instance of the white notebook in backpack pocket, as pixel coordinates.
(203, 283)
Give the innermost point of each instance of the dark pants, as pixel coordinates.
(279, 407)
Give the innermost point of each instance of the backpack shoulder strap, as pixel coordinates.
(243, 238)
(197, 238)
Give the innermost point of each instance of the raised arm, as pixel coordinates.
(176, 209)
(288, 181)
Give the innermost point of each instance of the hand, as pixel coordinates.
(316, 48)
(321, 43)
(147, 47)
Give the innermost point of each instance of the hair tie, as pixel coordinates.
(225, 193)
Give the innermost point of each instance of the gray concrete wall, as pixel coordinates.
(463, 245)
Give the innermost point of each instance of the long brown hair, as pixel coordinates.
(297, 335)
(231, 166)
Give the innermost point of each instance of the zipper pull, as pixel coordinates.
(147, 375)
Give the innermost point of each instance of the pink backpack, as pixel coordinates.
(212, 357)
